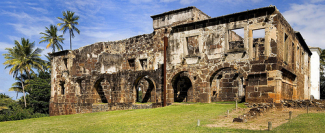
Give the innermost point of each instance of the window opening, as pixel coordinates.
(132, 64)
(214, 93)
(62, 87)
(65, 60)
(286, 47)
(236, 38)
(258, 43)
(292, 55)
(302, 60)
(143, 63)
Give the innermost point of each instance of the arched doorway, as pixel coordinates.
(145, 90)
(100, 87)
(226, 85)
(181, 85)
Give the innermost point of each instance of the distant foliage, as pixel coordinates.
(322, 77)
(4, 101)
(12, 110)
(322, 85)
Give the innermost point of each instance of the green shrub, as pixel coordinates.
(16, 112)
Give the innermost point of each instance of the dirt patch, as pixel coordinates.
(261, 122)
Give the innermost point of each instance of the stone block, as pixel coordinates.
(258, 68)
(204, 98)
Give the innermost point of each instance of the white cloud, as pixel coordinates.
(28, 30)
(28, 25)
(166, 1)
(256, 1)
(42, 10)
(140, 1)
(13, 38)
(308, 20)
(316, 1)
(26, 18)
(4, 45)
(31, 4)
(186, 2)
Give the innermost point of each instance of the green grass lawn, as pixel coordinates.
(305, 123)
(175, 118)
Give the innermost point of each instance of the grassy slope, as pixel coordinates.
(180, 118)
(305, 123)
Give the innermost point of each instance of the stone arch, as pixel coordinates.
(145, 89)
(182, 85)
(100, 86)
(227, 82)
(219, 67)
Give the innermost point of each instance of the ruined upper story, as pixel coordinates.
(264, 33)
(177, 17)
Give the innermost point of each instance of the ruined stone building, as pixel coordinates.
(206, 60)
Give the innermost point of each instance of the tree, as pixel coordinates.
(322, 60)
(40, 96)
(51, 36)
(4, 101)
(17, 85)
(322, 77)
(69, 22)
(47, 66)
(22, 59)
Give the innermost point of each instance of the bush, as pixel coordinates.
(16, 112)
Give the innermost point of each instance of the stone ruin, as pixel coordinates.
(189, 57)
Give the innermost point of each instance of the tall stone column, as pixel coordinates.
(246, 38)
(267, 43)
(250, 44)
(278, 87)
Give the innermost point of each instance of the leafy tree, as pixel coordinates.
(47, 66)
(40, 96)
(51, 36)
(21, 59)
(322, 85)
(17, 85)
(5, 100)
(322, 77)
(322, 60)
(69, 22)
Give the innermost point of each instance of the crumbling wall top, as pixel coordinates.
(179, 16)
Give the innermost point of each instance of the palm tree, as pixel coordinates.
(69, 22)
(51, 36)
(22, 59)
(17, 86)
(47, 65)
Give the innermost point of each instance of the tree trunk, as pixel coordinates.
(22, 85)
(53, 48)
(70, 41)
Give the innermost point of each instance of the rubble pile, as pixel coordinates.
(318, 104)
(256, 110)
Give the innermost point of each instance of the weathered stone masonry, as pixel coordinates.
(207, 61)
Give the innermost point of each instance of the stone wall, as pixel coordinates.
(207, 61)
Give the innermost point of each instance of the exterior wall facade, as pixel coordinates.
(315, 72)
(207, 61)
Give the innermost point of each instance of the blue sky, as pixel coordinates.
(105, 20)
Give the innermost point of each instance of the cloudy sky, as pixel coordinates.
(105, 20)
